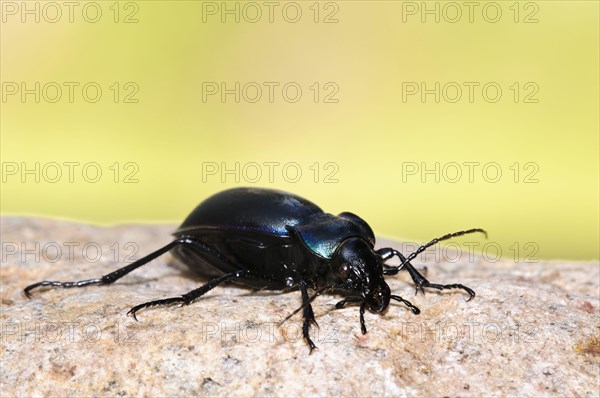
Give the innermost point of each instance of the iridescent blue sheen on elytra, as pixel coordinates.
(277, 213)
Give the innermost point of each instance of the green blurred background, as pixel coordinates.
(360, 130)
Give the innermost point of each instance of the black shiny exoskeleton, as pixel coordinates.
(269, 239)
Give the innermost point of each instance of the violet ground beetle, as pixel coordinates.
(269, 239)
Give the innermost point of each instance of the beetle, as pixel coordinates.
(270, 239)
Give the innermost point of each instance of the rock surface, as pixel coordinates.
(532, 330)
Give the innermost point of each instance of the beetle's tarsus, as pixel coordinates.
(363, 326)
(189, 297)
(306, 334)
(419, 288)
(132, 313)
(311, 346)
(422, 284)
(85, 282)
(309, 316)
(155, 303)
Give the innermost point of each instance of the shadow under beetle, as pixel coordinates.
(269, 239)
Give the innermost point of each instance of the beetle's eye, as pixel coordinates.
(343, 270)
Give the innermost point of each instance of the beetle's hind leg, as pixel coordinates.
(190, 296)
(108, 278)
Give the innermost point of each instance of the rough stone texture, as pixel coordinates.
(533, 329)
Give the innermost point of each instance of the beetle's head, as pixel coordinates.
(356, 267)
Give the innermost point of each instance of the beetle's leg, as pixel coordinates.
(387, 253)
(355, 299)
(363, 327)
(421, 282)
(417, 278)
(309, 316)
(190, 296)
(121, 272)
(109, 278)
(349, 299)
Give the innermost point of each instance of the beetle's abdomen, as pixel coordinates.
(262, 210)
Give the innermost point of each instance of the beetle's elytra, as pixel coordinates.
(269, 239)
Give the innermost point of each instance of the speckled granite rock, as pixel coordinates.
(533, 329)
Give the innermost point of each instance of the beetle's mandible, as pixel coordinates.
(270, 239)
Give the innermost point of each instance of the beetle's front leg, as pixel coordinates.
(387, 253)
(355, 299)
(308, 314)
(420, 281)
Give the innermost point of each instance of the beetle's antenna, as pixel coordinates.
(307, 302)
(410, 305)
(421, 249)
